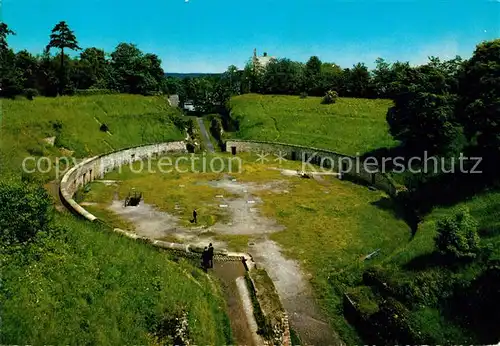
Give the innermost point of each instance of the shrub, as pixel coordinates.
(457, 235)
(57, 125)
(25, 210)
(179, 122)
(376, 276)
(365, 301)
(479, 306)
(190, 127)
(216, 129)
(31, 93)
(392, 324)
(330, 97)
(427, 288)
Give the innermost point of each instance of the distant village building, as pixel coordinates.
(261, 61)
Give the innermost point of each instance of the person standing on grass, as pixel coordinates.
(211, 255)
(195, 214)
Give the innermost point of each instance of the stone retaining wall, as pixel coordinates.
(321, 157)
(96, 167)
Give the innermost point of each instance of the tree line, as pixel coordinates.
(440, 107)
(127, 69)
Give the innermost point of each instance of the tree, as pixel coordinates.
(153, 67)
(331, 78)
(10, 77)
(135, 72)
(48, 76)
(282, 76)
(28, 64)
(92, 69)
(232, 80)
(4, 32)
(423, 117)
(382, 78)
(358, 81)
(425, 122)
(312, 76)
(253, 77)
(173, 85)
(457, 235)
(479, 91)
(62, 37)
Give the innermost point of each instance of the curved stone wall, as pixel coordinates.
(95, 167)
(326, 158)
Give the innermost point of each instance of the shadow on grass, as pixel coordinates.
(400, 212)
(476, 307)
(490, 220)
(381, 154)
(389, 204)
(444, 188)
(427, 261)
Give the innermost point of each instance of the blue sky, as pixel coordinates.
(210, 35)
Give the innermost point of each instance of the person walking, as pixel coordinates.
(211, 255)
(195, 214)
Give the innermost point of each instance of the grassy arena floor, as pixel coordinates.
(330, 225)
(349, 126)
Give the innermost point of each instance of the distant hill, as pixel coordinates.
(190, 75)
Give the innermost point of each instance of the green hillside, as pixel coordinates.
(415, 274)
(75, 123)
(349, 126)
(77, 282)
(84, 285)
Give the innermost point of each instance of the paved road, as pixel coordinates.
(204, 134)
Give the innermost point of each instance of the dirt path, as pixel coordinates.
(296, 295)
(204, 134)
(293, 288)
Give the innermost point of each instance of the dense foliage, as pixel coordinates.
(25, 212)
(126, 69)
(72, 282)
(457, 236)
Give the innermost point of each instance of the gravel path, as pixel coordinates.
(204, 134)
(293, 288)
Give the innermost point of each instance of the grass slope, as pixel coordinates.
(88, 286)
(131, 119)
(416, 262)
(349, 126)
